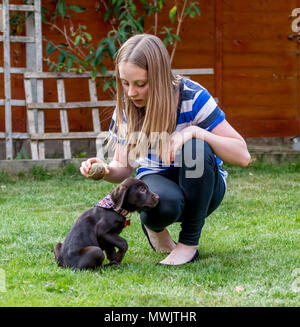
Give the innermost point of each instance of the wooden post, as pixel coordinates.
(7, 82)
(219, 51)
(31, 66)
(40, 116)
(1, 21)
(31, 120)
(64, 118)
(96, 120)
(38, 35)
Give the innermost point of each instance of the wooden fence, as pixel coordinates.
(256, 67)
(36, 117)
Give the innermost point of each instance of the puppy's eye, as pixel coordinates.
(143, 190)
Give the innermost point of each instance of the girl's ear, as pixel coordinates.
(118, 195)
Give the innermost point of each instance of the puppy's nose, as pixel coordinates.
(156, 196)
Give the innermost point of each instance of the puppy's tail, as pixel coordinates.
(57, 255)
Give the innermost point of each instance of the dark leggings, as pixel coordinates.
(188, 200)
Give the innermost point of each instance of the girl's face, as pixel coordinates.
(135, 83)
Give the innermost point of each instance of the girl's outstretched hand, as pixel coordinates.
(86, 166)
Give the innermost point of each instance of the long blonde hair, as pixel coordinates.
(149, 53)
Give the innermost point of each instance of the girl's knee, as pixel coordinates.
(167, 212)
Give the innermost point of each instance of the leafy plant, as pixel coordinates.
(71, 170)
(79, 153)
(78, 53)
(40, 173)
(24, 153)
(17, 22)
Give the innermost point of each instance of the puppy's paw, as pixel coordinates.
(113, 263)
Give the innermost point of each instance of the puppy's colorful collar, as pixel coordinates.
(108, 203)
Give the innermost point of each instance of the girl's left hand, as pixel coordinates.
(170, 148)
(178, 139)
(176, 142)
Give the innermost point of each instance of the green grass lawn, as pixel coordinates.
(251, 242)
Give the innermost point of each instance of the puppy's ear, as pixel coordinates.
(118, 195)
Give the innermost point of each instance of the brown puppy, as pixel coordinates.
(98, 229)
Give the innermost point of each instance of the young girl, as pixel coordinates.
(153, 104)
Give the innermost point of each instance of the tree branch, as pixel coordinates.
(180, 21)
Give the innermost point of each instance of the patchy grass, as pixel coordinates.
(250, 241)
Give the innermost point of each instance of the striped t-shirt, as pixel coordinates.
(195, 107)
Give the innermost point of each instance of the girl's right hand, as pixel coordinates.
(86, 166)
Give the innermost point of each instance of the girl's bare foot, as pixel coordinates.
(181, 254)
(160, 241)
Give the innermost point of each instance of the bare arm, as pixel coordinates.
(228, 144)
(119, 168)
(224, 140)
